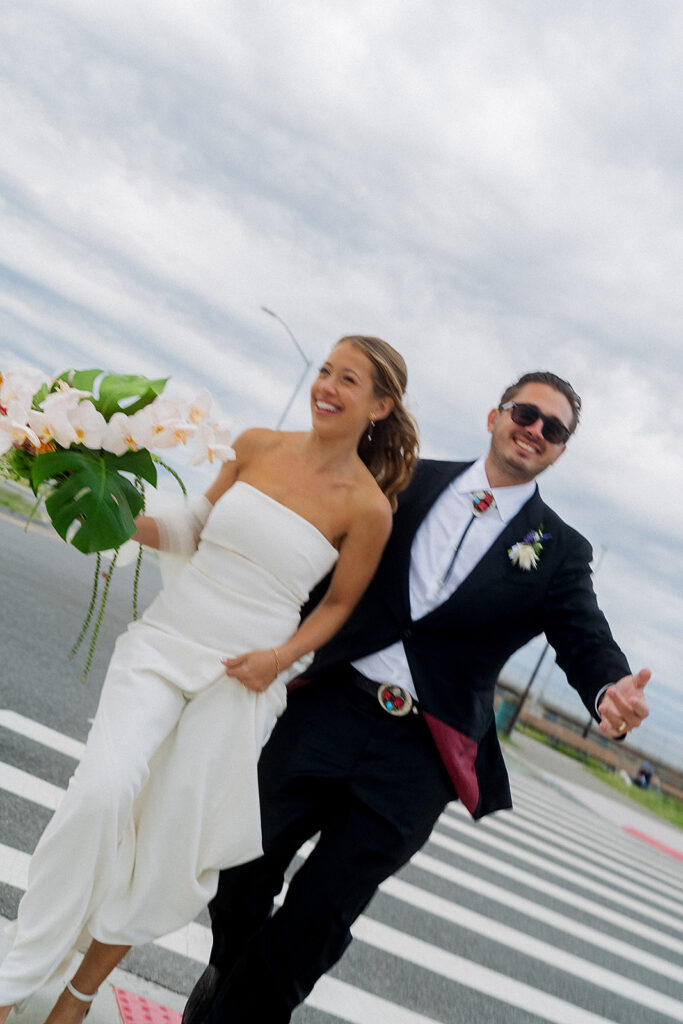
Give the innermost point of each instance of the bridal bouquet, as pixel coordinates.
(85, 442)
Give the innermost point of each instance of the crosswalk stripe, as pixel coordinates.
(13, 867)
(33, 730)
(527, 945)
(47, 795)
(475, 976)
(558, 819)
(194, 940)
(580, 879)
(360, 1007)
(356, 1006)
(624, 866)
(572, 899)
(536, 911)
(22, 784)
(602, 867)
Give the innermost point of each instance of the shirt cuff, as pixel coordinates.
(599, 697)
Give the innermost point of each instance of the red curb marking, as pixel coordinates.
(138, 1010)
(654, 842)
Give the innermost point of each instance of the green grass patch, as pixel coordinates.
(665, 806)
(561, 748)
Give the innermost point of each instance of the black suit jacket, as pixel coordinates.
(456, 652)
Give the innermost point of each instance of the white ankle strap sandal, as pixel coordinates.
(80, 995)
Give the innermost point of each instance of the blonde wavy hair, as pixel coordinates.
(391, 451)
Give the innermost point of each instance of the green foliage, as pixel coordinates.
(665, 806)
(17, 464)
(117, 392)
(84, 380)
(89, 489)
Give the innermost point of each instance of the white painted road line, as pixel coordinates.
(535, 910)
(25, 785)
(558, 819)
(356, 1006)
(557, 892)
(506, 849)
(41, 734)
(573, 852)
(359, 1007)
(471, 975)
(195, 941)
(527, 945)
(13, 867)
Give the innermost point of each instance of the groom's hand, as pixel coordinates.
(624, 706)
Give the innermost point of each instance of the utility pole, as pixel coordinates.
(522, 700)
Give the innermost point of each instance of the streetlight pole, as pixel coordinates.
(308, 363)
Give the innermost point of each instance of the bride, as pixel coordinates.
(166, 793)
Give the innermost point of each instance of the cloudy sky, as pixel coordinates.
(493, 186)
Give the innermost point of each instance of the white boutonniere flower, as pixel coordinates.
(527, 552)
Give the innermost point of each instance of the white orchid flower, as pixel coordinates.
(89, 424)
(212, 442)
(117, 437)
(172, 433)
(159, 426)
(20, 385)
(199, 409)
(14, 430)
(53, 423)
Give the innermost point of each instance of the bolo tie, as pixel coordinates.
(482, 501)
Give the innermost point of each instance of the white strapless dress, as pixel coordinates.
(167, 793)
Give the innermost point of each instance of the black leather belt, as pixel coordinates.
(393, 699)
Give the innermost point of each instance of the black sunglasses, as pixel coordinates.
(523, 414)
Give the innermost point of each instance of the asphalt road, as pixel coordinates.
(550, 913)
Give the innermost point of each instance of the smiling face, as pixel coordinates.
(343, 398)
(518, 454)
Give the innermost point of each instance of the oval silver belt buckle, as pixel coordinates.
(394, 699)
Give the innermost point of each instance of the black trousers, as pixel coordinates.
(372, 786)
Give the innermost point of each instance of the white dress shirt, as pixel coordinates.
(432, 549)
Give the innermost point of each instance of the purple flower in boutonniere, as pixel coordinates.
(526, 552)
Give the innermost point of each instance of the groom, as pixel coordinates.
(395, 716)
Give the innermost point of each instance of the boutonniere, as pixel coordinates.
(526, 552)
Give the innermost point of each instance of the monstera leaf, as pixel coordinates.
(120, 392)
(117, 392)
(90, 489)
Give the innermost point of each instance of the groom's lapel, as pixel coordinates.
(495, 562)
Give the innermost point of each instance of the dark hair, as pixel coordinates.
(391, 454)
(553, 381)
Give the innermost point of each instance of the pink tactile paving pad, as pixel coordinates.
(138, 1010)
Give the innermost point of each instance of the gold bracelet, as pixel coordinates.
(277, 661)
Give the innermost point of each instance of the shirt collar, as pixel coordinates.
(509, 500)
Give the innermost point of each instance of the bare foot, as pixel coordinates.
(67, 1010)
(4, 1013)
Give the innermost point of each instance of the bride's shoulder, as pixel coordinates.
(255, 441)
(369, 499)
